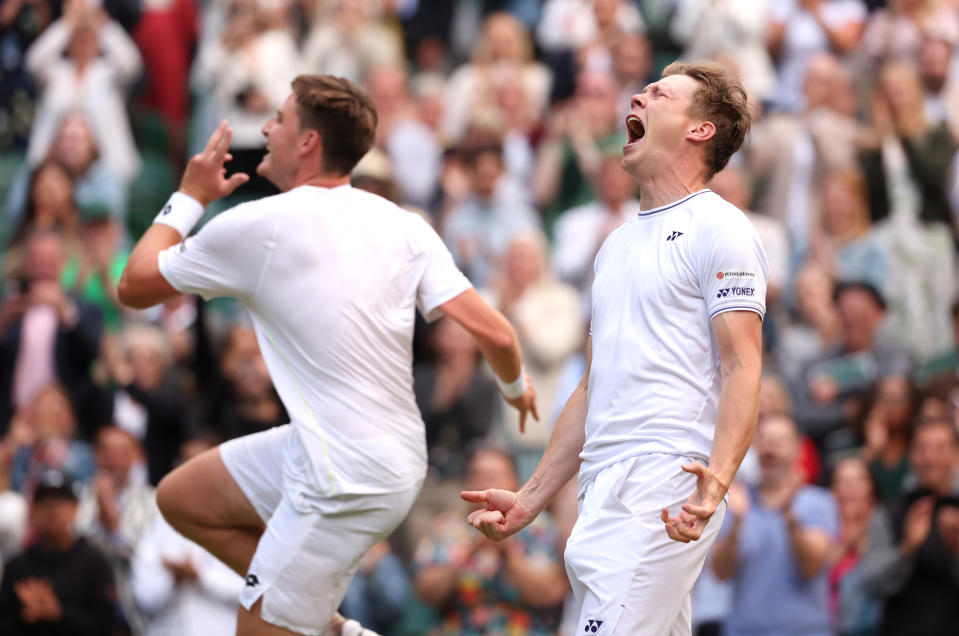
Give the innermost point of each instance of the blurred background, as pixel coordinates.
(501, 122)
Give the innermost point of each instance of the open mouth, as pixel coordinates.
(634, 128)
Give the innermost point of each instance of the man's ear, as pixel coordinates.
(309, 142)
(703, 131)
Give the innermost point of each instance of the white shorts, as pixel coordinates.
(627, 575)
(312, 544)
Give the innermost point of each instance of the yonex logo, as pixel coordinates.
(735, 291)
(592, 625)
(166, 209)
(674, 236)
(251, 580)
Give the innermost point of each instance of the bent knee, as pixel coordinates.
(170, 499)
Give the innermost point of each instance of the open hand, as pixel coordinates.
(505, 514)
(39, 601)
(699, 508)
(205, 176)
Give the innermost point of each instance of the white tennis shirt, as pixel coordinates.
(661, 278)
(332, 278)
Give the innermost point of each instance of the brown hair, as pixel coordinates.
(721, 100)
(342, 113)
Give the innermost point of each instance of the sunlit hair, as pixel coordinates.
(720, 100)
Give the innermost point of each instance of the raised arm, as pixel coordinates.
(497, 342)
(142, 285)
(507, 512)
(739, 338)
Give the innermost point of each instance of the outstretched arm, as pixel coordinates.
(142, 285)
(508, 512)
(739, 338)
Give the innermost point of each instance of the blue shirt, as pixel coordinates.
(771, 597)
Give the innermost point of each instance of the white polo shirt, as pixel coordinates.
(332, 278)
(661, 278)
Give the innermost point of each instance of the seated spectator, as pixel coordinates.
(42, 436)
(48, 336)
(148, 402)
(895, 32)
(549, 325)
(93, 273)
(478, 231)
(572, 25)
(774, 542)
(85, 60)
(887, 430)
(76, 149)
(61, 584)
(814, 329)
(457, 401)
(579, 232)
(484, 587)
(941, 97)
(830, 389)
(48, 204)
(854, 612)
(380, 591)
(117, 508)
(183, 589)
(911, 563)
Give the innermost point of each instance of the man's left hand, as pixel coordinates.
(699, 508)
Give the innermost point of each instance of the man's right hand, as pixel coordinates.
(205, 177)
(917, 525)
(505, 514)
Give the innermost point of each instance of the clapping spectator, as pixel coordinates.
(481, 586)
(349, 41)
(887, 430)
(61, 584)
(774, 543)
(912, 564)
(48, 336)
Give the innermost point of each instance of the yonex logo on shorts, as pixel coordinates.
(735, 291)
(592, 625)
(674, 236)
(251, 580)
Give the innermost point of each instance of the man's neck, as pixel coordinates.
(665, 189)
(321, 181)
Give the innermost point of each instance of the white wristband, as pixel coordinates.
(514, 389)
(181, 212)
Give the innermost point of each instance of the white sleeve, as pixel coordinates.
(441, 280)
(225, 258)
(733, 269)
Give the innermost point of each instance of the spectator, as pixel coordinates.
(182, 588)
(816, 328)
(479, 230)
(887, 431)
(21, 22)
(549, 325)
(503, 43)
(832, 386)
(774, 544)
(117, 508)
(42, 436)
(94, 273)
(911, 564)
(485, 587)
(579, 232)
(632, 65)
(85, 60)
(798, 29)
(895, 32)
(380, 591)
(458, 402)
(148, 402)
(61, 584)
(349, 41)
(854, 612)
(49, 204)
(574, 25)
(48, 336)
(941, 97)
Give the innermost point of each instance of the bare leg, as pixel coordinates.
(203, 502)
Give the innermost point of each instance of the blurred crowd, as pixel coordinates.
(501, 122)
